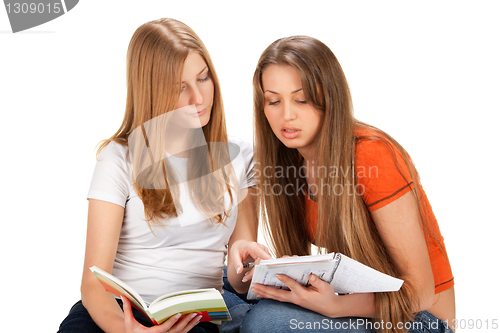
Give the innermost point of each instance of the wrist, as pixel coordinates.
(354, 305)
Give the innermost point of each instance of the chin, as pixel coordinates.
(291, 145)
(204, 121)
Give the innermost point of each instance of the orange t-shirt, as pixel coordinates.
(380, 182)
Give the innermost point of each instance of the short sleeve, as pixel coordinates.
(381, 173)
(246, 153)
(111, 180)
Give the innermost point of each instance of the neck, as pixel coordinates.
(309, 163)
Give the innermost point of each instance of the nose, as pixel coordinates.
(196, 96)
(289, 112)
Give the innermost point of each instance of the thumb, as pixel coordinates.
(317, 283)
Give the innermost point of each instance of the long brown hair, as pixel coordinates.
(155, 60)
(344, 222)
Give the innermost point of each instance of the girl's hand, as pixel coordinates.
(172, 325)
(249, 275)
(319, 296)
(242, 249)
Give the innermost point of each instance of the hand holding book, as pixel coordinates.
(177, 322)
(316, 282)
(344, 274)
(206, 302)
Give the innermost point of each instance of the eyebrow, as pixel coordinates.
(204, 68)
(273, 92)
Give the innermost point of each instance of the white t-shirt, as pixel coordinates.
(179, 255)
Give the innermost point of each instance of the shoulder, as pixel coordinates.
(240, 146)
(114, 151)
(376, 148)
(112, 177)
(114, 159)
(381, 170)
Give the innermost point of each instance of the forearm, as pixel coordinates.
(354, 305)
(364, 305)
(102, 307)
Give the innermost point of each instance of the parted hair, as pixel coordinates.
(155, 60)
(344, 222)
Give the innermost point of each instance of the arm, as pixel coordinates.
(242, 243)
(400, 229)
(103, 232)
(398, 224)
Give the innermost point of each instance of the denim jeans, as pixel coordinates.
(426, 322)
(237, 304)
(272, 316)
(79, 321)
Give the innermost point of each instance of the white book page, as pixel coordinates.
(119, 286)
(353, 277)
(266, 274)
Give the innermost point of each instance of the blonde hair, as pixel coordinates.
(344, 222)
(155, 60)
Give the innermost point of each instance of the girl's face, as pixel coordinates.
(197, 88)
(292, 118)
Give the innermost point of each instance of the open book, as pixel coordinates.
(207, 302)
(344, 274)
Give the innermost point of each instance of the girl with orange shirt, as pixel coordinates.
(350, 188)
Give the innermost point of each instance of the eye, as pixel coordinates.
(203, 79)
(302, 102)
(273, 103)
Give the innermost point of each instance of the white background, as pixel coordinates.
(426, 72)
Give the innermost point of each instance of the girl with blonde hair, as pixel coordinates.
(327, 179)
(167, 199)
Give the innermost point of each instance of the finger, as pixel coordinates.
(236, 259)
(127, 312)
(257, 250)
(248, 276)
(186, 320)
(263, 247)
(317, 283)
(170, 322)
(289, 282)
(254, 249)
(192, 323)
(272, 293)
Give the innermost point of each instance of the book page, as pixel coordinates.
(209, 291)
(266, 274)
(354, 277)
(117, 287)
(209, 303)
(297, 260)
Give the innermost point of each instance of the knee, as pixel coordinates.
(267, 316)
(78, 320)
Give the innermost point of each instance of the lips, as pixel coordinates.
(290, 132)
(199, 113)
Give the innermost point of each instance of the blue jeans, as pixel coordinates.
(272, 316)
(237, 304)
(79, 321)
